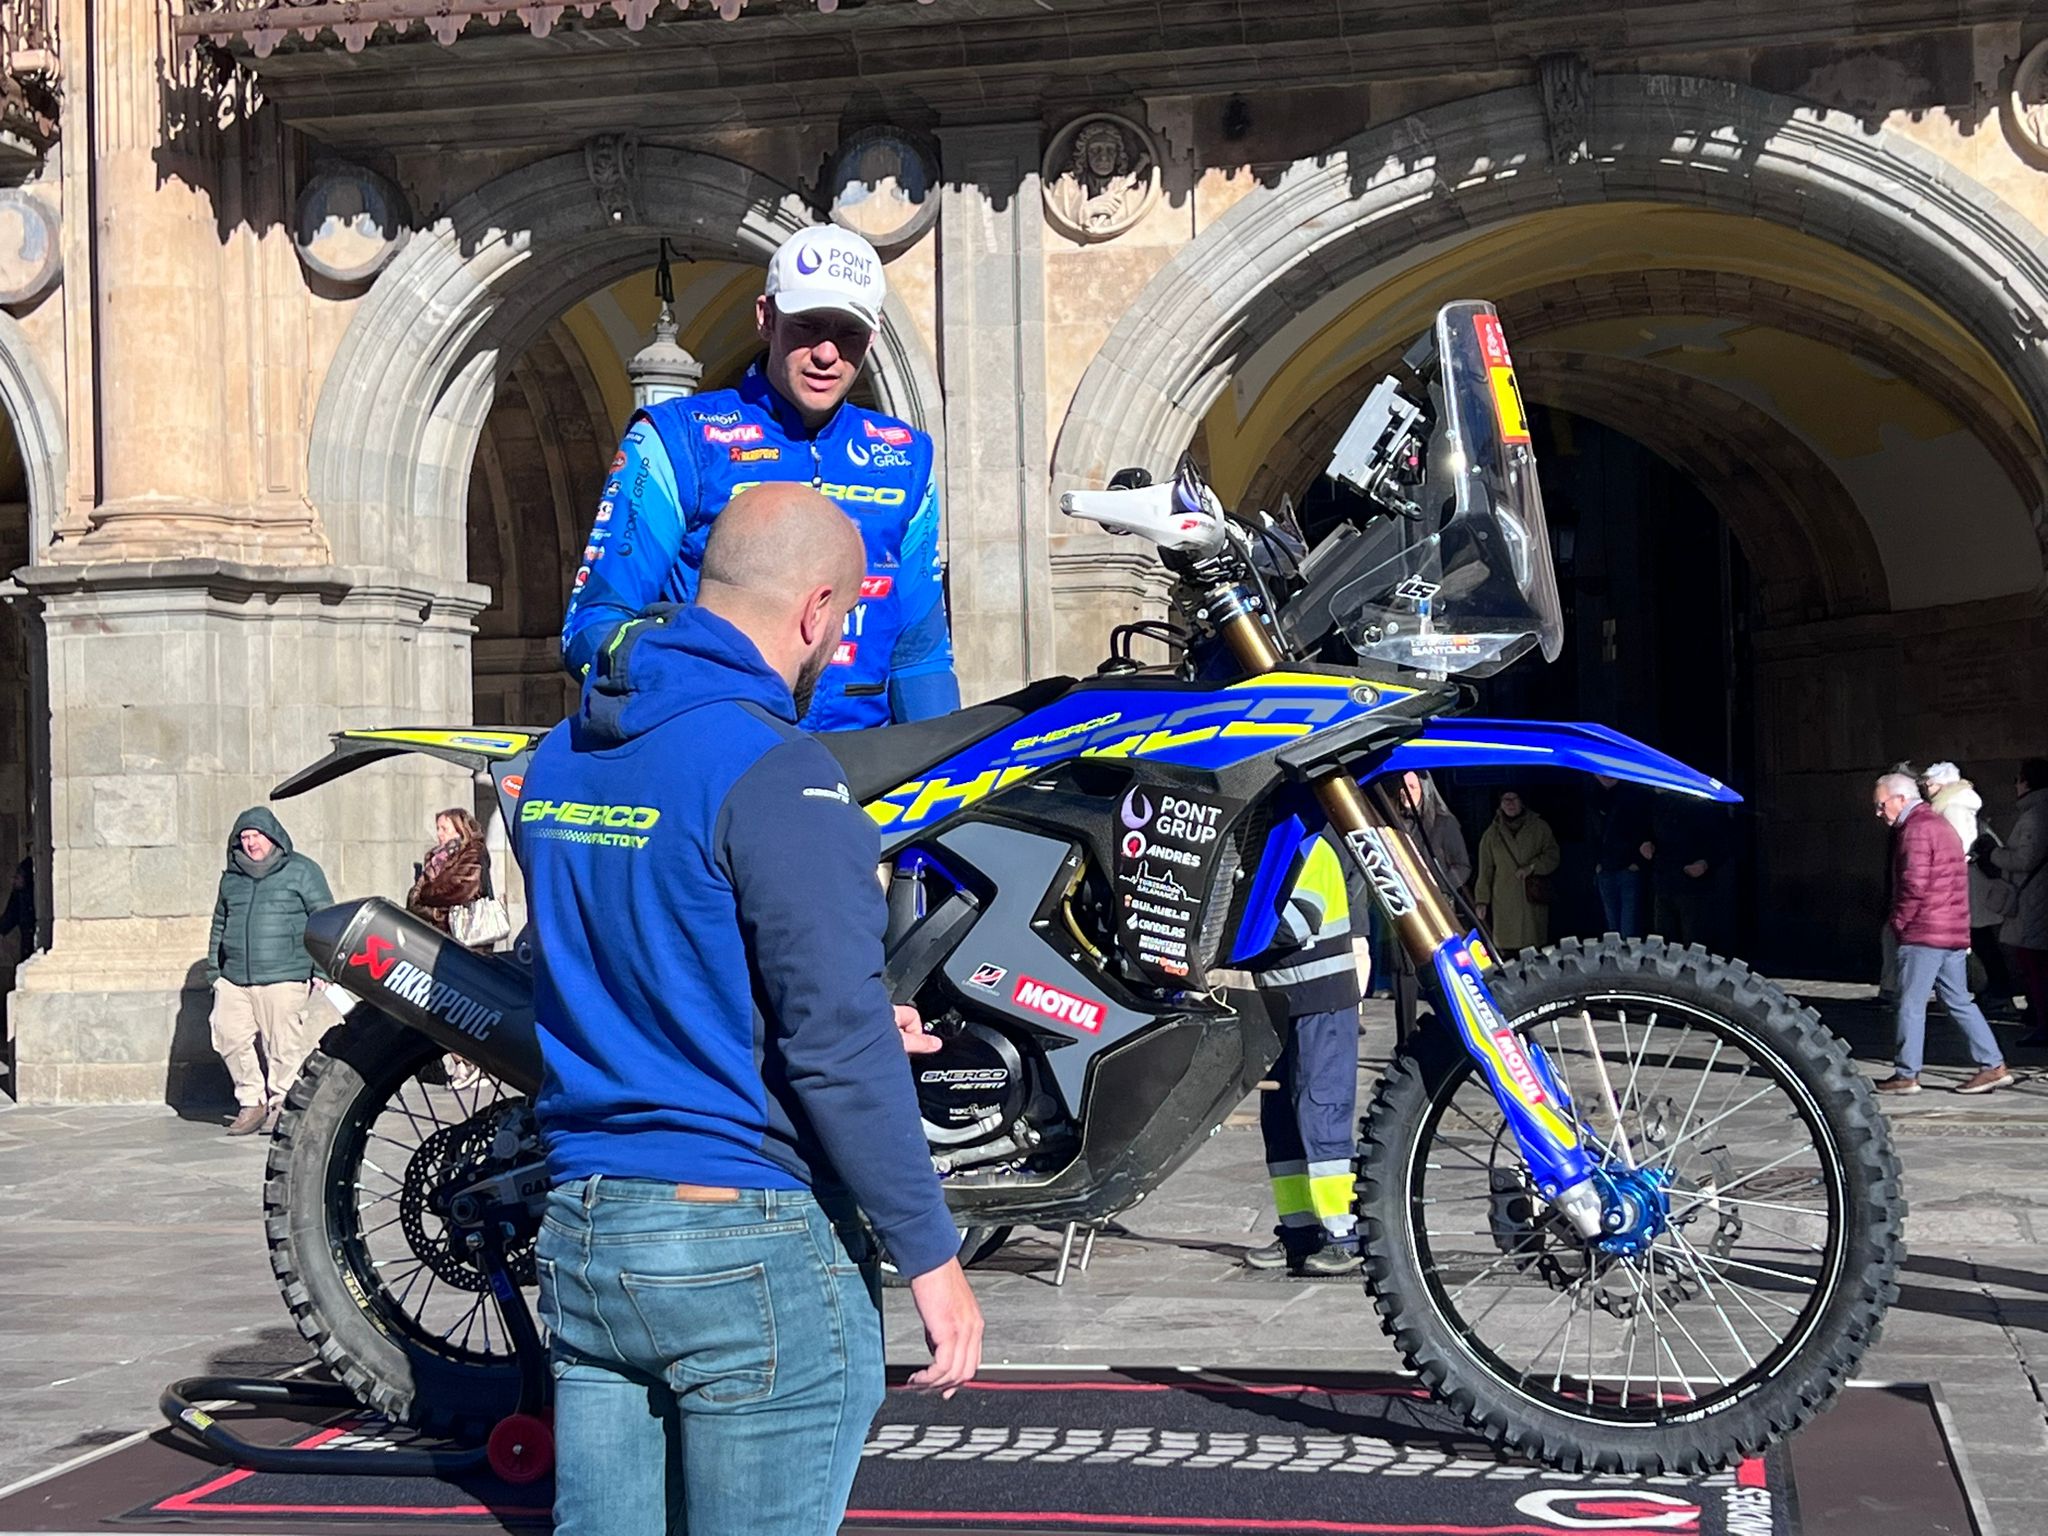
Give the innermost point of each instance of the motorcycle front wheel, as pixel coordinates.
(1770, 1230)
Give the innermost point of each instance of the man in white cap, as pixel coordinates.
(789, 420)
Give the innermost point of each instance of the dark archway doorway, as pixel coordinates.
(1659, 602)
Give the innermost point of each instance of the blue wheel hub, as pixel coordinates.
(1635, 1207)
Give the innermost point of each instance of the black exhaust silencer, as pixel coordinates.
(476, 1006)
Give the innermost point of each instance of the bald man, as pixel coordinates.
(726, 1086)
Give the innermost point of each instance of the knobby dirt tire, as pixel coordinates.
(1434, 1063)
(359, 1064)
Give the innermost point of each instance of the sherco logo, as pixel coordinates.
(966, 1077)
(1055, 1004)
(443, 1001)
(577, 813)
(871, 495)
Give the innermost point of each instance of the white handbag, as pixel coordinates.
(481, 923)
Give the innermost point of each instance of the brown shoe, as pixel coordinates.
(1990, 1078)
(1898, 1083)
(270, 1118)
(248, 1122)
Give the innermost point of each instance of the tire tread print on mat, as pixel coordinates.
(1166, 1451)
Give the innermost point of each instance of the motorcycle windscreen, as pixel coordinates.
(1470, 588)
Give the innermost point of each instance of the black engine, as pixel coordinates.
(972, 1089)
(981, 1100)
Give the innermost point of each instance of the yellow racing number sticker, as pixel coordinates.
(1508, 411)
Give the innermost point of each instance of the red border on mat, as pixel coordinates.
(188, 1502)
(1215, 1388)
(1203, 1523)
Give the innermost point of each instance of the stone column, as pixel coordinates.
(182, 691)
(991, 293)
(190, 258)
(200, 645)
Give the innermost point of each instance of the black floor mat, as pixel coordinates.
(1135, 1451)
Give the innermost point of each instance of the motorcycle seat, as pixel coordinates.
(888, 755)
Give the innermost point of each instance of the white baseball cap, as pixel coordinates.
(828, 268)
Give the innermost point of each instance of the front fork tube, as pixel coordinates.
(1538, 1109)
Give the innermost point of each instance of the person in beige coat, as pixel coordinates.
(1518, 855)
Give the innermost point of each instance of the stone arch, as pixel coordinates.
(405, 399)
(39, 432)
(1448, 171)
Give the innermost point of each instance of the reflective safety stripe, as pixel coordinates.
(1308, 970)
(1314, 1195)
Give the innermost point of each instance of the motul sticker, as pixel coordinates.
(877, 586)
(725, 437)
(1055, 1004)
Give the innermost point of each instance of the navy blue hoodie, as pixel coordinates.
(708, 940)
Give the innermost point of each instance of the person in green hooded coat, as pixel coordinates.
(257, 963)
(1518, 854)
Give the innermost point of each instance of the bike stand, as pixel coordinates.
(1073, 1228)
(520, 1449)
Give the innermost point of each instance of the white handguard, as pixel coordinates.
(1161, 513)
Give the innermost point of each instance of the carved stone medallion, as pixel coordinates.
(883, 186)
(31, 255)
(348, 224)
(1101, 176)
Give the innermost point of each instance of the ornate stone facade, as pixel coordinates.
(312, 389)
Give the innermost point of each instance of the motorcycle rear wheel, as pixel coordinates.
(356, 1246)
(1762, 1288)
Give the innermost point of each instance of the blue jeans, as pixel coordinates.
(1621, 900)
(716, 1363)
(1947, 972)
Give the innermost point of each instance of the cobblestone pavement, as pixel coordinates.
(131, 1253)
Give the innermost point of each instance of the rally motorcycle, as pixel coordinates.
(1624, 1205)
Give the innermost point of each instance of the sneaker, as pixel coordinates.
(1273, 1256)
(1330, 1260)
(249, 1121)
(1991, 1077)
(1898, 1083)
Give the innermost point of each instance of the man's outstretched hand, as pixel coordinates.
(952, 1327)
(915, 1041)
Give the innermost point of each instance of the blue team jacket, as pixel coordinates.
(683, 460)
(708, 943)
